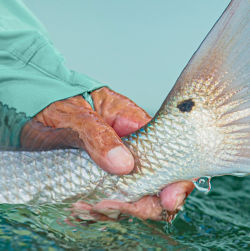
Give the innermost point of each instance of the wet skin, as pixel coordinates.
(73, 123)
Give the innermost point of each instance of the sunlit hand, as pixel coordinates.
(73, 123)
(162, 208)
(98, 132)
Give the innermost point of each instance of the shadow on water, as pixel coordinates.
(219, 220)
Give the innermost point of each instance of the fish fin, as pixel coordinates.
(218, 72)
(223, 55)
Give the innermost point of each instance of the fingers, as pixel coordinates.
(36, 136)
(94, 134)
(118, 111)
(82, 210)
(173, 196)
(148, 207)
(109, 208)
(77, 125)
(171, 199)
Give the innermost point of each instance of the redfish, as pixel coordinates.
(201, 129)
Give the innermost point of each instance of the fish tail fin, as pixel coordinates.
(230, 95)
(219, 73)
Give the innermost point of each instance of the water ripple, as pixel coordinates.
(218, 220)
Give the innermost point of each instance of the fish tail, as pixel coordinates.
(231, 97)
(219, 72)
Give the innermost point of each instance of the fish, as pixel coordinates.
(201, 129)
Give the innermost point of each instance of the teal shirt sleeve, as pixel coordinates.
(32, 72)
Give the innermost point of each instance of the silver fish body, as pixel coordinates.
(58, 175)
(202, 129)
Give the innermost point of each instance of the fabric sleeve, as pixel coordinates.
(33, 73)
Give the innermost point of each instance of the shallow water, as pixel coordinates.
(218, 220)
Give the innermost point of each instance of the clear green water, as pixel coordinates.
(219, 220)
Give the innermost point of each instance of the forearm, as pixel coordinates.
(32, 72)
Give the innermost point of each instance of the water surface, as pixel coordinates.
(219, 220)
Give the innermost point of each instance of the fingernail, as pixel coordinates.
(121, 160)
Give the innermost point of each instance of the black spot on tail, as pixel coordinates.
(186, 105)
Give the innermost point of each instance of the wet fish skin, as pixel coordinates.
(202, 129)
(47, 176)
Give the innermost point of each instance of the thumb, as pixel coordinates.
(103, 144)
(96, 136)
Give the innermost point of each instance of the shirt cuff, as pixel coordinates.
(35, 74)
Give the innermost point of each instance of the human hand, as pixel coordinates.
(73, 123)
(162, 208)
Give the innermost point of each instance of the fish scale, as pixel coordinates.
(201, 129)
